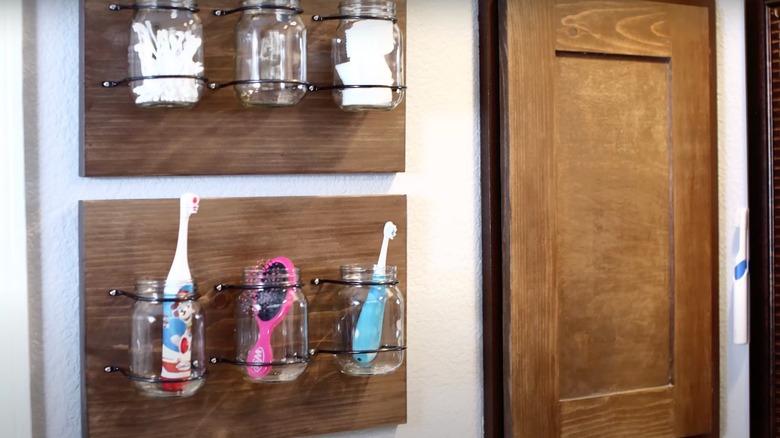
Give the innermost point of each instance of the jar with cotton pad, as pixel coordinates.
(165, 54)
(367, 53)
(270, 56)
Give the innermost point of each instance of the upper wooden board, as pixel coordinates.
(126, 240)
(219, 136)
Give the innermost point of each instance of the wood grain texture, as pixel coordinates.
(768, 339)
(646, 413)
(613, 27)
(219, 136)
(613, 209)
(125, 240)
(528, 202)
(763, 86)
(654, 325)
(694, 195)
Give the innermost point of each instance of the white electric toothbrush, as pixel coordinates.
(741, 269)
(177, 321)
(368, 331)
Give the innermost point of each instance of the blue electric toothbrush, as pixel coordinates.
(368, 332)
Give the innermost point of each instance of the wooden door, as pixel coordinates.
(609, 219)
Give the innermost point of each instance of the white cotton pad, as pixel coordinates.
(369, 73)
(369, 37)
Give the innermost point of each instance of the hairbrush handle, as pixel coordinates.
(261, 352)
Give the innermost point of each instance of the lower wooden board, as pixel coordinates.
(125, 240)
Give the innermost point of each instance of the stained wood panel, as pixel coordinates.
(773, 32)
(614, 263)
(768, 397)
(646, 413)
(219, 136)
(608, 226)
(125, 240)
(636, 29)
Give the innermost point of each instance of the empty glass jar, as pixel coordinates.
(165, 54)
(368, 56)
(271, 324)
(270, 53)
(369, 332)
(167, 354)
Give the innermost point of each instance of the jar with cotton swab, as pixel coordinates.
(165, 54)
(368, 60)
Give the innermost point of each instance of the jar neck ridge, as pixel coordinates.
(368, 7)
(191, 4)
(368, 273)
(280, 3)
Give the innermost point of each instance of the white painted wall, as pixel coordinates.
(14, 375)
(444, 329)
(732, 187)
(442, 184)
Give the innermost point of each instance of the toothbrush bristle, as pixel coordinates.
(390, 230)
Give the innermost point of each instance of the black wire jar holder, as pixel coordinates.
(150, 306)
(165, 54)
(224, 12)
(127, 374)
(294, 360)
(271, 81)
(321, 18)
(367, 57)
(349, 357)
(128, 81)
(134, 7)
(270, 313)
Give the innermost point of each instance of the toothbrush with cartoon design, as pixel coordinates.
(368, 331)
(177, 321)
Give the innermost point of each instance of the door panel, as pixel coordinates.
(640, 413)
(613, 210)
(608, 219)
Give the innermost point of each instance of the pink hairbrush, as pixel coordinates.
(269, 307)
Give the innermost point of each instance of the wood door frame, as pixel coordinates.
(493, 298)
(764, 248)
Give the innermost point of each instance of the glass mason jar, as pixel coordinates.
(166, 39)
(368, 52)
(167, 340)
(270, 53)
(271, 326)
(372, 318)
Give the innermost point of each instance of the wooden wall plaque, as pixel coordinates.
(124, 240)
(219, 136)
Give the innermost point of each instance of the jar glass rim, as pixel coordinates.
(154, 287)
(183, 3)
(362, 268)
(285, 3)
(388, 5)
